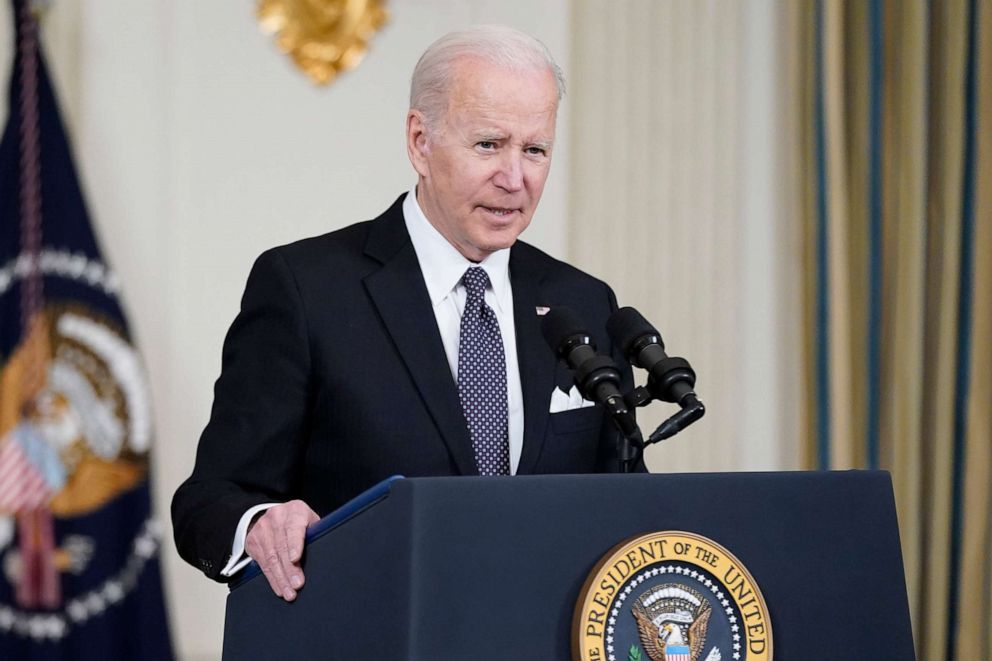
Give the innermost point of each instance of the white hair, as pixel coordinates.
(496, 44)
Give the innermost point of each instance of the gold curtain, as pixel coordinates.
(897, 162)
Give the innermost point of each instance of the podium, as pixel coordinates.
(438, 569)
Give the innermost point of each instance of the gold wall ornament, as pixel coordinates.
(324, 37)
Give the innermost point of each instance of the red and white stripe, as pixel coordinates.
(22, 487)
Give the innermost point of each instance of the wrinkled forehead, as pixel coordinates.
(480, 91)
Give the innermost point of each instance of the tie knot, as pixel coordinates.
(475, 280)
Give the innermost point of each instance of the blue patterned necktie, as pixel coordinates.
(482, 377)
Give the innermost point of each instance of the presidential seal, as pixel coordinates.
(75, 435)
(670, 596)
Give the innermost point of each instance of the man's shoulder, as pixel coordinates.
(551, 270)
(348, 239)
(341, 248)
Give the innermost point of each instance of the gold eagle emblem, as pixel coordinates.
(670, 615)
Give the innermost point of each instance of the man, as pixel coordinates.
(407, 344)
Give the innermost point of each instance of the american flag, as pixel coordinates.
(22, 487)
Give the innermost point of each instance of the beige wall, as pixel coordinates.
(679, 199)
(199, 146)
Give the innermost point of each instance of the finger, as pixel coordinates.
(265, 556)
(289, 539)
(261, 546)
(274, 570)
(296, 531)
(276, 542)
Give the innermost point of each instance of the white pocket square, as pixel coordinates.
(566, 402)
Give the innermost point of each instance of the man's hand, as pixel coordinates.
(275, 542)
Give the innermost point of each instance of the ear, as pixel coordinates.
(416, 141)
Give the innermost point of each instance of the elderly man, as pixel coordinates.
(407, 344)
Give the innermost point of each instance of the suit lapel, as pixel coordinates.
(535, 360)
(400, 295)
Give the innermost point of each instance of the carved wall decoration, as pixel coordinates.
(324, 37)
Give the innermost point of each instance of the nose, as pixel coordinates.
(510, 175)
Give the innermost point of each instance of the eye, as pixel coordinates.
(486, 145)
(537, 151)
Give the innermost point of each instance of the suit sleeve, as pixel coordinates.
(252, 449)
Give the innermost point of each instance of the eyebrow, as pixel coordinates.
(488, 134)
(493, 133)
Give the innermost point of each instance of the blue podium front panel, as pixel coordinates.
(491, 568)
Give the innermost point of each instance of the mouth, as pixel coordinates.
(500, 212)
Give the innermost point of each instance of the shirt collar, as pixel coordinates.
(442, 265)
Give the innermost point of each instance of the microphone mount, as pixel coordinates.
(691, 410)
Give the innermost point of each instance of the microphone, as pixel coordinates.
(669, 379)
(596, 376)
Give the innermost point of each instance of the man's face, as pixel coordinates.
(482, 170)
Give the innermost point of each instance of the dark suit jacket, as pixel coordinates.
(334, 377)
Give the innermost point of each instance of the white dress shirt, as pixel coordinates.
(443, 267)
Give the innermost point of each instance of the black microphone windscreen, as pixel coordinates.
(627, 325)
(559, 324)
